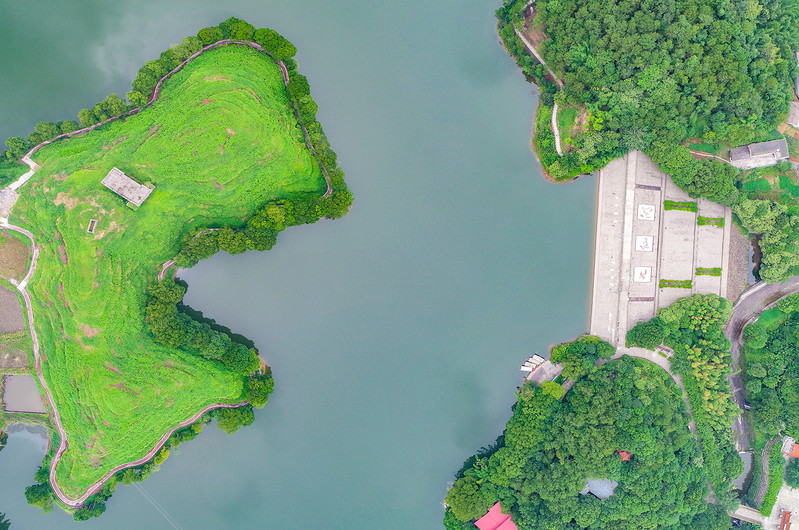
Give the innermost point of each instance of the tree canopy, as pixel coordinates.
(661, 69)
(551, 447)
(694, 329)
(771, 354)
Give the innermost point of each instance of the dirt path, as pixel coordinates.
(700, 154)
(531, 49)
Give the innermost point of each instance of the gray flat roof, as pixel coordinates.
(126, 187)
(739, 153)
(779, 147)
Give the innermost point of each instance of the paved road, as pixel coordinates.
(555, 129)
(747, 309)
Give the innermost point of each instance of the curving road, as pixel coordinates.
(747, 309)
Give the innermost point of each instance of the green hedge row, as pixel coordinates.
(686, 206)
(713, 221)
(682, 284)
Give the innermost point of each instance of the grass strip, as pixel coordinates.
(685, 206)
(704, 271)
(680, 284)
(710, 221)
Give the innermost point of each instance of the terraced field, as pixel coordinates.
(221, 141)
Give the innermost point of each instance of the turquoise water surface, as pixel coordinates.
(395, 333)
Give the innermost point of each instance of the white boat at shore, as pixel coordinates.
(532, 362)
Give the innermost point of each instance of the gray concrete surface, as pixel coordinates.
(638, 243)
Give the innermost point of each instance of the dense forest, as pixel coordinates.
(551, 446)
(771, 353)
(694, 328)
(657, 76)
(669, 70)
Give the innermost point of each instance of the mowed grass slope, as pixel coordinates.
(221, 141)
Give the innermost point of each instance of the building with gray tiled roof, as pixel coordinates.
(760, 154)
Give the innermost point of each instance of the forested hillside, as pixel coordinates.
(550, 447)
(662, 69)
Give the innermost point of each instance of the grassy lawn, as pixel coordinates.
(11, 171)
(566, 118)
(705, 148)
(221, 141)
(772, 318)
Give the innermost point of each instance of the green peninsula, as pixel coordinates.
(232, 154)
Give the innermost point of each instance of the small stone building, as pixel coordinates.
(760, 154)
(126, 187)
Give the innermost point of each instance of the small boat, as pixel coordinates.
(532, 362)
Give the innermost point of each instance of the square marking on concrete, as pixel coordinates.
(646, 212)
(642, 274)
(644, 243)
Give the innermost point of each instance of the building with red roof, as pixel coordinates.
(625, 455)
(495, 520)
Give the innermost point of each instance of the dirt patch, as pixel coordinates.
(13, 257)
(738, 264)
(62, 253)
(122, 386)
(89, 332)
(216, 78)
(230, 131)
(152, 131)
(112, 144)
(11, 316)
(112, 368)
(206, 101)
(113, 227)
(216, 184)
(221, 149)
(68, 201)
(582, 119)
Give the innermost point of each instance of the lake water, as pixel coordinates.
(395, 333)
(21, 394)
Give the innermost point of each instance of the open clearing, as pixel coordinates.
(14, 256)
(221, 141)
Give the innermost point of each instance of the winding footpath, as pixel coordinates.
(531, 49)
(79, 501)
